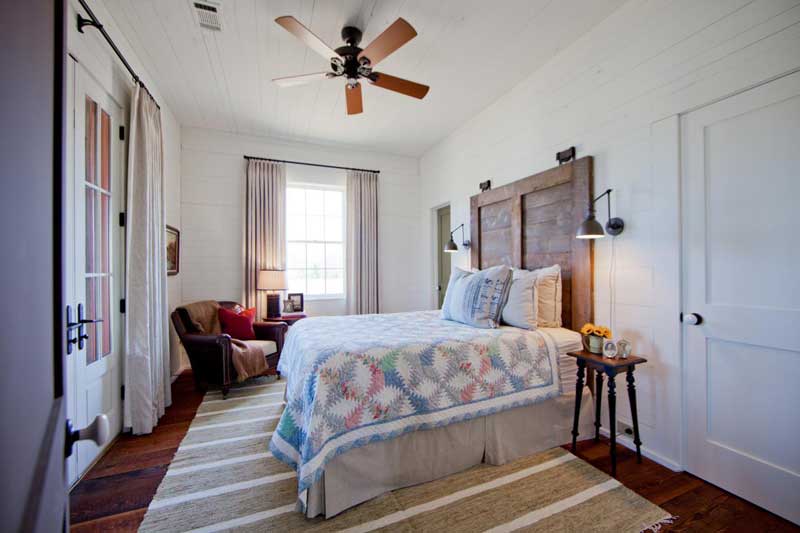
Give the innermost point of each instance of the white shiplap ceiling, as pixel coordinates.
(469, 51)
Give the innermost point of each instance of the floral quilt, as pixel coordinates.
(353, 380)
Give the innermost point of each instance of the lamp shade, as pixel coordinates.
(590, 229)
(272, 280)
(451, 247)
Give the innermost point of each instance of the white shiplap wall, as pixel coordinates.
(614, 94)
(213, 172)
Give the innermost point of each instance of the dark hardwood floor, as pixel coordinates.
(114, 494)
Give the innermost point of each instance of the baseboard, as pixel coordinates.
(96, 460)
(647, 452)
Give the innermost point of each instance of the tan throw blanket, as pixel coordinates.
(249, 361)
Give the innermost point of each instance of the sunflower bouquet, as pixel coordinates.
(593, 336)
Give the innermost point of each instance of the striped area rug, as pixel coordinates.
(223, 478)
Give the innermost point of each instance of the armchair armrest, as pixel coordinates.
(270, 330)
(201, 341)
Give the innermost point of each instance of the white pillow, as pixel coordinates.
(477, 298)
(548, 292)
(520, 309)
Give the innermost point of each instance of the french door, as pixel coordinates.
(741, 235)
(95, 262)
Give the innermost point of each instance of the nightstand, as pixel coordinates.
(289, 318)
(610, 367)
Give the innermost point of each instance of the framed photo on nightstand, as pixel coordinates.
(297, 301)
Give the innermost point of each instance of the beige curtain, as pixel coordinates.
(147, 361)
(264, 227)
(362, 242)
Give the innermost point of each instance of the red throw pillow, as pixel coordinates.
(238, 326)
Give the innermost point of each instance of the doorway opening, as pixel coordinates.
(442, 258)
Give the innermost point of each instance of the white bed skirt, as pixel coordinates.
(364, 473)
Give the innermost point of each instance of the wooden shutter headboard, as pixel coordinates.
(531, 224)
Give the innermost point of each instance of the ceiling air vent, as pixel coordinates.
(209, 15)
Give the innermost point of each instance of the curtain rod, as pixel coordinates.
(93, 21)
(249, 157)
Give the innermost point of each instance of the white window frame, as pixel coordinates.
(322, 187)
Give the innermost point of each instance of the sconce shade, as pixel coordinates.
(451, 247)
(272, 280)
(590, 229)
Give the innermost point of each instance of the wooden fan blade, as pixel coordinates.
(399, 85)
(392, 38)
(293, 26)
(355, 104)
(291, 81)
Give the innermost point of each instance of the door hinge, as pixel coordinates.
(122, 133)
(122, 306)
(122, 220)
(122, 392)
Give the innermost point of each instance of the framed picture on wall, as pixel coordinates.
(173, 251)
(297, 301)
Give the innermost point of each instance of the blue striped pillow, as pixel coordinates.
(477, 298)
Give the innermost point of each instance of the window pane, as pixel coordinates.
(333, 203)
(90, 222)
(105, 203)
(89, 312)
(315, 202)
(315, 228)
(105, 326)
(334, 281)
(296, 228)
(91, 141)
(316, 281)
(333, 229)
(297, 280)
(295, 201)
(316, 255)
(105, 151)
(295, 255)
(334, 255)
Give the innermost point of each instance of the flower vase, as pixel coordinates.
(593, 344)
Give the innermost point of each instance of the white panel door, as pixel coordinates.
(741, 234)
(94, 261)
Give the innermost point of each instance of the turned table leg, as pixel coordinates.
(632, 399)
(578, 395)
(612, 421)
(598, 402)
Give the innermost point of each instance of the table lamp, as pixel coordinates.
(273, 280)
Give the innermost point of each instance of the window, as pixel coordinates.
(315, 240)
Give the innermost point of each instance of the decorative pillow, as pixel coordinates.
(477, 298)
(521, 307)
(238, 326)
(548, 290)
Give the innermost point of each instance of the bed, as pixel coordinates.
(424, 419)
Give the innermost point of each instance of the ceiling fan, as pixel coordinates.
(353, 62)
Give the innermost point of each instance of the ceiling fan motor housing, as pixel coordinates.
(348, 63)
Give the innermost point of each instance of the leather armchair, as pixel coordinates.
(210, 355)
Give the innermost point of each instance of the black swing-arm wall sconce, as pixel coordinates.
(591, 228)
(451, 246)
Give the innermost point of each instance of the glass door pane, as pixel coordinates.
(97, 194)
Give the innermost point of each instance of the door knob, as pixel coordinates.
(692, 319)
(98, 431)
